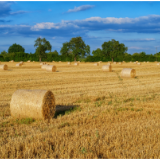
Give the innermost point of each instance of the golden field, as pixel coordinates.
(109, 116)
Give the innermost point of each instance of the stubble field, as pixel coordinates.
(104, 115)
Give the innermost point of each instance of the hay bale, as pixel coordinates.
(53, 61)
(115, 62)
(18, 64)
(107, 68)
(21, 62)
(147, 61)
(3, 67)
(44, 66)
(28, 61)
(128, 72)
(139, 63)
(69, 63)
(76, 64)
(109, 63)
(51, 68)
(59, 61)
(11, 61)
(96, 64)
(37, 104)
(119, 63)
(157, 63)
(136, 61)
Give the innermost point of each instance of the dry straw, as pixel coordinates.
(51, 68)
(128, 72)
(107, 68)
(18, 64)
(36, 104)
(96, 64)
(3, 67)
(44, 66)
(76, 64)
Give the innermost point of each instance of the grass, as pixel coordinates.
(109, 117)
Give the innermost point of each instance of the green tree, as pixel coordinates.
(75, 47)
(42, 46)
(16, 48)
(113, 49)
(97, 52)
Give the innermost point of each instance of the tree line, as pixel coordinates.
(75, 50)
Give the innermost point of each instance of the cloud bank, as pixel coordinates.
(80, 8)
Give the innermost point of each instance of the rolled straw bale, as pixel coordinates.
(37, 104)
(21, 62)
(3, 67)
(128, 72)
(107, 68)
(147, 61)
(96, 64)
(69, 63)
(157, 63)
(44, 66)
(59, 61)
(135, 62)
(115, 62)
(53, 61)
(119, 63)
(11, 61)
(76, 64)
(139, 63)
(51, 68)
(33, 61)
(28, 61)
(18, 64)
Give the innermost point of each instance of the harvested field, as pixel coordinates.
(99, 114)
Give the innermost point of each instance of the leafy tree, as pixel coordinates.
(75, 47)
(16, 48)
(97, 52)
(42, 46)
(113, 49)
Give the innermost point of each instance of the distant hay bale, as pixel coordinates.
(119, 63)
(59, 61)
(107, 68)
(147, 61)
(33, 61)
(128, 72)
(18, 64)
(42, 63)
(76, 64)
(136, 61)
(96, 64)
(130, 61)
(139, 63)
(53, 61)
(28, 61)
(115, 62)
(51, 68)
(69, 63)
(21, 62)
(11, 61)
(36, 104)
(3, 67)
(157, 63)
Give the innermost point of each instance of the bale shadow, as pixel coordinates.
(65, 109)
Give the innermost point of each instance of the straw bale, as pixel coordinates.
(136, 61)
(157, 63)
(3, 67)
(18, 64)
(147, 61)
(107, 68)
(44, 66)
(28, 61)
(59, 61)
(115, 62)
(51, 68)
(36, 104)
(69, 63)
(53, 61)
(96, 64)
(109, 63)
(119, 63)
(139, 63)
(128, 72)
(11, 61)
(76, 64)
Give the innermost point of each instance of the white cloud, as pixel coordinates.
(80, 8)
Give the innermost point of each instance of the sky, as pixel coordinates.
(133, 23)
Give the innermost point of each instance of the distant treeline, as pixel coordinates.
(76, 50)
(53, 56)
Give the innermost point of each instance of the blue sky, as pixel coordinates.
(134, 23)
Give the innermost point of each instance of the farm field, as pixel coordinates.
(99, 114)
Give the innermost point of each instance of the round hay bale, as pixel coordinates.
(21, 62)
(115, 62)
(107, 68)
(59, 61)
(18, 64)
(44, 66)
(76, 64)
(119, 63)
(96, 64)
(53, 61)
(157, 63)
(136, 61)
(147, 61)
(37, 104)
(69, 63)
(51, 68)
(3, 67)
(12, 61)
(109, 63)
(128, 72)
(139, 63)
(28, 61)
